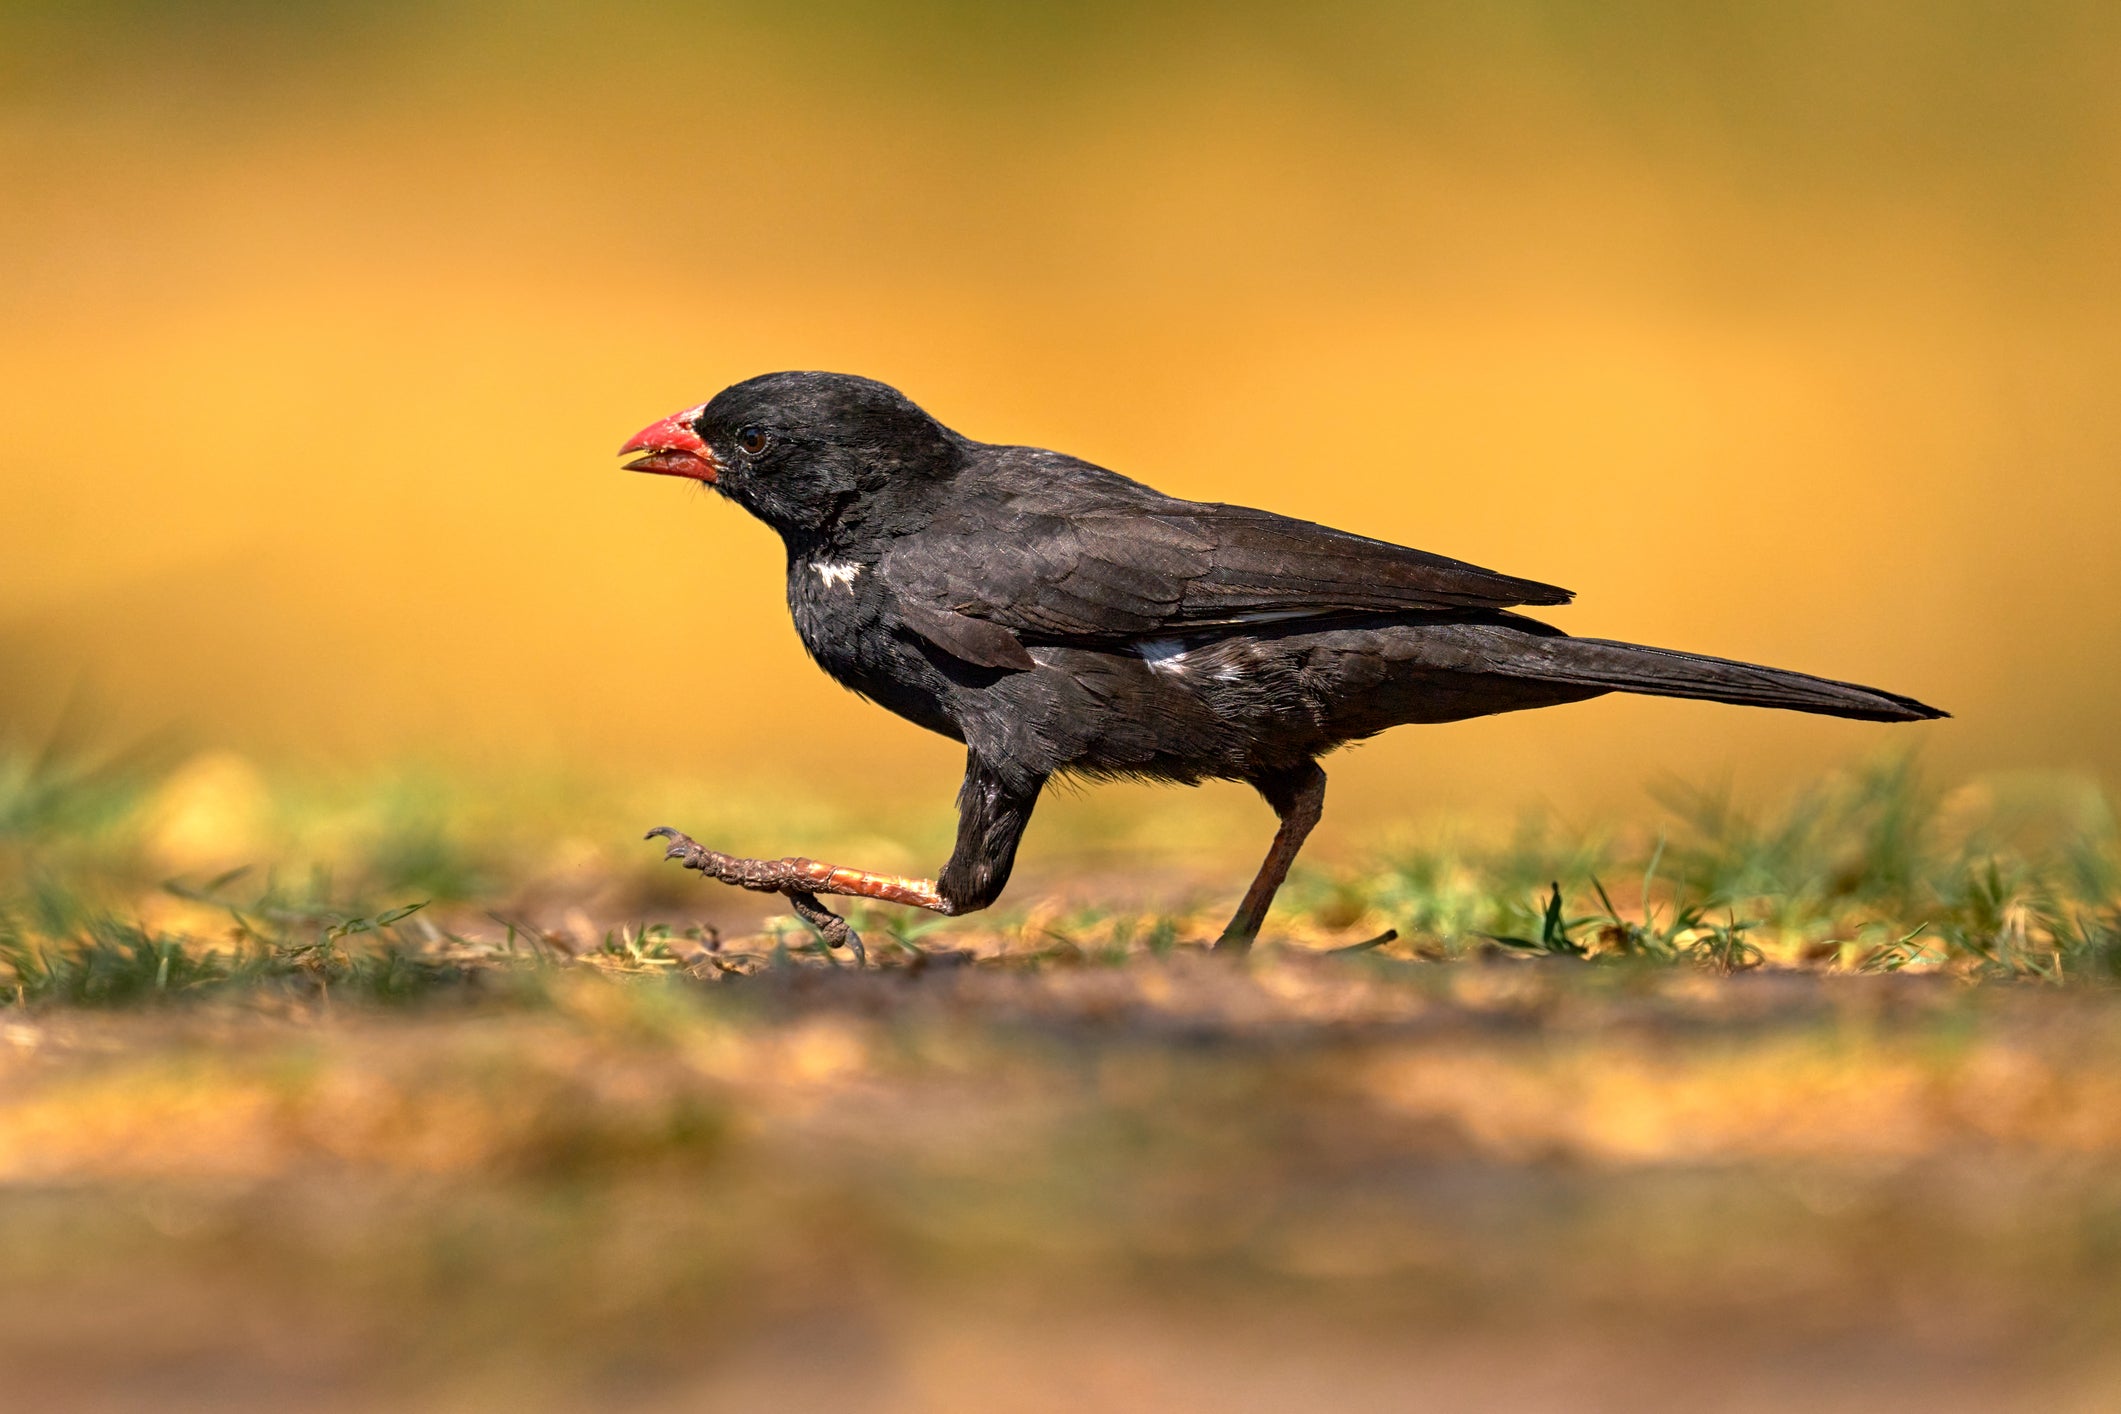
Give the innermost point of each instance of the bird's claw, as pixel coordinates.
(682, 847)
(835, 930)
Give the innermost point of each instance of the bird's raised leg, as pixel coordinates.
(992, 814)
(1298, 797)
(801, 881)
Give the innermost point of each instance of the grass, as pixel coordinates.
(104, 886)
(414, 888)
(1875, 870)
(422, 1103)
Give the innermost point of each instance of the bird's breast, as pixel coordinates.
(845, 617)
(834, 603)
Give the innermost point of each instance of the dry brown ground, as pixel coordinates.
(1161, 1183)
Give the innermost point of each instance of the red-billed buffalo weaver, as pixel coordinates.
(1060, 619)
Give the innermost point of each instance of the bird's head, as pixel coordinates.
(802, 451)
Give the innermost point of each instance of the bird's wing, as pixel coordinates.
(1163, 566)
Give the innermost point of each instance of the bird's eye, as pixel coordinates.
(752, 440)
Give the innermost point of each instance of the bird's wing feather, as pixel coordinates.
(989, 645)
(1162, 565)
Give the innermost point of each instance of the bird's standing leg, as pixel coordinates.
(991, 820)
(1298, 797)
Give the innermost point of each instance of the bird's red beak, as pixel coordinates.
(673, 448)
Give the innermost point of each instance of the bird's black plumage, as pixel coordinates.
(1058, 618)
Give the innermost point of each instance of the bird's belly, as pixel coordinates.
(1128, 712)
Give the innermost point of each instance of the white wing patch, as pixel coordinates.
(837, 574)
(1164, 655)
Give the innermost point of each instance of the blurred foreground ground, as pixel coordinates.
(1807, 1108)
(1159, 1184)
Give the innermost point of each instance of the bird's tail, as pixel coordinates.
(1662, 672)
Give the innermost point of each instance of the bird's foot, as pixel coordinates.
(801, 881)
(691, 854)
(835, 930)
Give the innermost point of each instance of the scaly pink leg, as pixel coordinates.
(801, 881)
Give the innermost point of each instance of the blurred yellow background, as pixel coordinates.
(1787, 332)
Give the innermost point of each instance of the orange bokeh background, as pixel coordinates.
(1786, 333)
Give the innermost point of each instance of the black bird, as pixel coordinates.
(1058, 618)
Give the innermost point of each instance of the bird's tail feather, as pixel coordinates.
(1662, 672)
